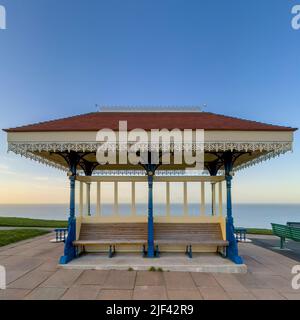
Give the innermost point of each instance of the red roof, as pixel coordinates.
(150, 120)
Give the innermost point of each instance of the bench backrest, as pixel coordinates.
(113, 231)
(293, 224)
(295, 233)
(187, 231)
(281, 230)
(288, 232)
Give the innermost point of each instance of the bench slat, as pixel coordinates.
(286, 231)
(108, 241)
(187, 242)
(207, 234)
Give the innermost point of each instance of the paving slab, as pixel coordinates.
(84, 292)
(241, 295)
(251, 280)
(62, 278)
(267, 294)
(35, 252)
(179, 280)
(20, 263)
(92, 277)
(120, 280)
(107, 294)
(277, 282)
(45, 294)
(49, 265)
(150, 293)
(204, 280)
(184, 294)
(291, 296)
(214, 294)
(146, 278)
(254, 266)
(16, 250)
(229, 283)
(2, 258)
(12, 275)
(13, 294)
(272, 264)
(20, 247)
(30, 280)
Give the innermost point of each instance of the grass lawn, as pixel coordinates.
(11, 236)
(24, 222)
(259, 231)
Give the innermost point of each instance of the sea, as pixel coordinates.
(245, 215)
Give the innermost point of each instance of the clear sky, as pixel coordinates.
(61, 57)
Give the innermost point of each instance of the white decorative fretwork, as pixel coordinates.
(268, 149)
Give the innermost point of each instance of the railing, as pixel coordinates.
(61, 234)
(240, 234)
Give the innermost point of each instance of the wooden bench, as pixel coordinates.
(285, 232)
(189, 234)
(112, 234)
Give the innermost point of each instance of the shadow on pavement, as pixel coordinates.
(292, 248)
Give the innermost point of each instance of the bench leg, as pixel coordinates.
(111, 252)
(78, 251)
(282, 241)
(144, 251)
(157, 253)
(81, 251)
(222, 252)
(190, 252)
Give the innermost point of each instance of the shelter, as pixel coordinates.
(229, 144)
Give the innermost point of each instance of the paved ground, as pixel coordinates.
(32, 273)
(291, 250)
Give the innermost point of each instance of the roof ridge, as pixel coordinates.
(150, 108)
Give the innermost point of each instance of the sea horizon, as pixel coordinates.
(251, 215)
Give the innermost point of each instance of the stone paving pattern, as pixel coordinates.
(32, 273)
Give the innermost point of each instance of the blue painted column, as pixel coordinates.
(232, 249)
(151, 252)
(69, 250)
